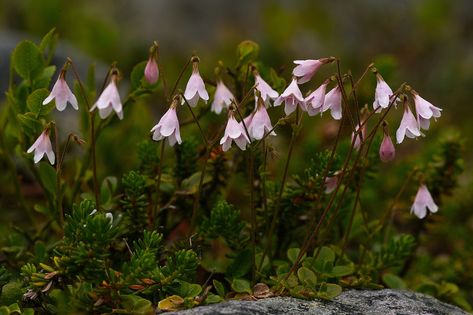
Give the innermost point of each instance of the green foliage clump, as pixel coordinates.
(135, 203)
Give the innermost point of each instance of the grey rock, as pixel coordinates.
(385, 302)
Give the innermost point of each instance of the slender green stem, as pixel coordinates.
(391, 210)
(195, 208)
(295, 131)
(253, 214)
(58, 182)
(179, 78)
(158, 185)
(92, 134)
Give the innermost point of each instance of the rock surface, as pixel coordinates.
(385, 302)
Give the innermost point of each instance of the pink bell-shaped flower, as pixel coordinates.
(61, 94)
(333, 101)
(425, 111)
(331, 182)
(387, 152)
(408, 126)
(260, 122)
(234, 131)
(306, 69)
(359, 137)
(195, 87)
(168, 126)
(315, 100)
(42, 146)
(223, 97)
(266, 91)
(382, 95)
(422, 202)
(151, 70)
(109, 100)
(291, 97)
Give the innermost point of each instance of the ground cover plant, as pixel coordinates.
(125, 215)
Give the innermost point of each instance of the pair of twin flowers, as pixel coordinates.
(257, 125)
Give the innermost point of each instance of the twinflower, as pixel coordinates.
(42, 146)
(168, 125)
(61, 94)
(195, 88)
(109, 99)
(422, 202)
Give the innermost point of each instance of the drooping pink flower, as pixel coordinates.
(168, 126)
(292, 97)
(223, 97)
(408, 126)
(361, 136)
(382, 95)
(333, 101)
(422, 202)
(266, 91)
(331, 183)
(234, 131)
(425, 111)
(315, 100)
(151, 70)
(195, 87)
(306, 69)
(260, 122)
(61, 94)
(109, 100)
(387, 152)
(42, 146)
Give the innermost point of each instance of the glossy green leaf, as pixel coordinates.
(48, 176)
(219, 288)
(34, 102)
(241, 286)
(307, 276)
(393, 281)
(27, 60)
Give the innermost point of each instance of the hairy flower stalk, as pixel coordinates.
(425, 111)
(292, 98)
(268, 94)
(223, 97)
(315, 100)
(151, 72)
(168, 126)
(422, 202)
(195, 88)
(109, 100)
(42, 146)
(61, 94)
(408, 127)
(359, 136)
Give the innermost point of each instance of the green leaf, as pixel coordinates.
(219, 288)
(48, 43)
(30, 124)
(213, 299)
(292, 254)
(34, 102)
(188, 289)
(43, 80)
(241, 286)
(137, 74)
(48, 176)
(241, 265)
(247, 51)
(393, 281)
(329, 290)
(307, 276)
(136, 304)
(342, 271)
(27, 60)
(11, 293)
